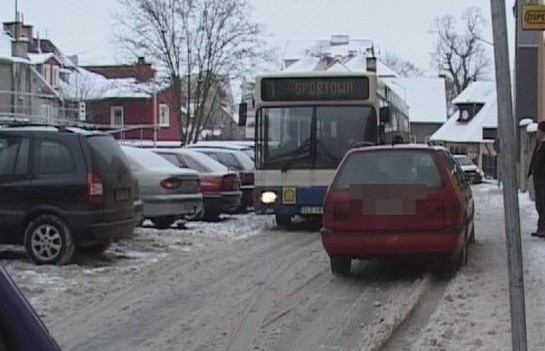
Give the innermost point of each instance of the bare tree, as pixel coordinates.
(460, 56)
(400, 66)
(198, 45)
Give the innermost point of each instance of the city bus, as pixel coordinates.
(304, 124)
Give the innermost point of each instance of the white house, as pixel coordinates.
(473, 128)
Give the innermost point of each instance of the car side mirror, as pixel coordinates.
(384, 114)
(242, 114)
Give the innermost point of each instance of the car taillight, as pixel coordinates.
(336, 211)
(247, 178)
(230, 182)
(171, 183)
(95, 189)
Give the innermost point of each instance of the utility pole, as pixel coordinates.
(508, 163)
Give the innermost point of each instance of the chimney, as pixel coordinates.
(27, 31)
(19, 47)
(339, 39)
(15, 29)
(144, 72)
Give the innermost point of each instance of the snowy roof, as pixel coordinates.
(472, 131)
(5, 45)
(92, 86)
(5, 49)
(350, 55)
(426, 98)
(477, 92)
(41, 58)
(335, 46)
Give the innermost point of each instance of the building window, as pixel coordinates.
(55, 75)
(46, 73)
(164, 115)
(116, 116)
(468, 111)
(45, 112)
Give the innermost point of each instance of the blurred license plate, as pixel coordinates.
(312, 210)
(122, 195)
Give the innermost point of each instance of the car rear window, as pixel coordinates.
(388, 167)
(107, 154)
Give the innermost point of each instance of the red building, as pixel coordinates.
(128, 99)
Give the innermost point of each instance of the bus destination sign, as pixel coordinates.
(314, 88)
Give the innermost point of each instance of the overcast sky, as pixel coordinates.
(84, 27)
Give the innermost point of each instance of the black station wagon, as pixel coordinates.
(63, 189)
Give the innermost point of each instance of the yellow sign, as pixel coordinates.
(288, 195)
(533, 17)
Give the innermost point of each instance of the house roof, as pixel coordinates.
(93, 86)
(426, 98)
(42, 58)
(487, 117)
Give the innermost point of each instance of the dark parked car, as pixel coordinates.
(238, 161)
(63, 189)
(21, 328)
(472, 172)
(220, 187)
(402, 200)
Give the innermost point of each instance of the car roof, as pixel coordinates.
(206, 160)
(50, 128)
(147, 159)
(246, 160)
(415, 147)
(220, 144)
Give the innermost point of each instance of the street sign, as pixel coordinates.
(533, 17)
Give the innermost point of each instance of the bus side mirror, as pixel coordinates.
(384, 114)
(242, 113)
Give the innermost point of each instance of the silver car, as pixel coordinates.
(168, 193)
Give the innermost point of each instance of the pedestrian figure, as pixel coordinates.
(537, 171)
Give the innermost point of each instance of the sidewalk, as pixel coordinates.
(474, 314)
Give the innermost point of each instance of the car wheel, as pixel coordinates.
(96, 248)
(340, 265)
(48, 240)
(163, 222)
(472, 238)
(211, 215)
(197, 216)
(283, 220)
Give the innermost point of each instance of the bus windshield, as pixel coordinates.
(306, 137)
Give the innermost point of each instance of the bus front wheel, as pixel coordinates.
(283, 220)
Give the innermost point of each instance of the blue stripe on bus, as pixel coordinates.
(312, 196)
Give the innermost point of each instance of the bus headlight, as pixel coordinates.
(268, 197)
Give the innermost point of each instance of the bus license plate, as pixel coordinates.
(312, 210)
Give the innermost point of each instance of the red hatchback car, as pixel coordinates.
(395, 201)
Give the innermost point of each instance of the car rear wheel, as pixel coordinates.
(48, 240)
(197, 216)
(283, 220)
(340, 265)
(211, 215)
(472, 238)
(163, 222)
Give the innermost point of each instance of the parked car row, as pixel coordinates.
(65, 189)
